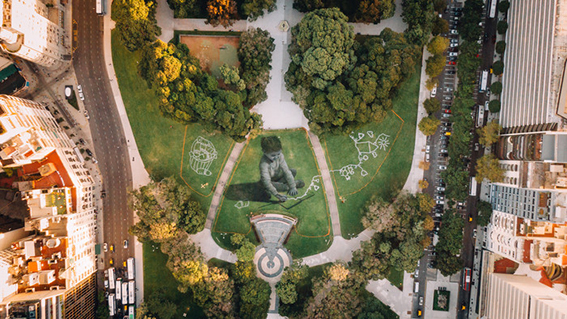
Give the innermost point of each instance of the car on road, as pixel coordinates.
(446, 115)
(105, 284)
(80, 88)
(112, 248)
(470, 218)
(89, 153)
(125, 243)
(441, 189)
(448, 98)
(94, 160)
(447, 111)
(454, 40)
(86, 114)
(421, 300)
(454, 31)
(434, 91)
(427, 148)
(452, 63)
(103, 194)
(105, 247)
(124, 263)
(441, 168)
(453, 53)
(82, 141)
(439, 197)
(111, 261)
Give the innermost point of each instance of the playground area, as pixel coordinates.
(213, 50)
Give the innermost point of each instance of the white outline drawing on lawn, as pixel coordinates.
(365, 147)
(202, 155)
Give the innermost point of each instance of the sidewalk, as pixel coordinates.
(341, 249)
(416, 173)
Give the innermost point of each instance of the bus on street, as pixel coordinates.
(492, 9)
(131, 292)
(472, 187)
(112, 304)
(483, 81)
(466, 279)
(111, 278)
(101, 7)
(130, 268)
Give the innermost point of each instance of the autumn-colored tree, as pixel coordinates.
(438, 45)
(426, 202)
(424, 166)
(423, 184)
(428, 125)
(488, 167)
(489, 133)
(221, 12)
(435, 65)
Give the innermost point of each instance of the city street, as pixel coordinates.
(109, 142)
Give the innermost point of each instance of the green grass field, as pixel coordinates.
(396, 277)
(165, 145)
(242, 198)
(382, 172)
(156, 275)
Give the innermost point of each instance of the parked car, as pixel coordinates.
(446, 115)
(421, 300)
(89, 152)
(112, 248)
(111, 261)
(440, 202)
(427, 148)
(439, 197)
(81, 96)
(441, 189)
(82, 141)
(80, 88)
(442, 167)
(105, 247)
(103, 194)
(434, 91)
(125, 243)
(454, 31)
(453, 53)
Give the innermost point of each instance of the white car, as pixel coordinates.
(86, 114)
(453, 53)
(441, 189)
(439, 202)
(80, 88)
(427, 148)
(454, 45)
(454, 31)
(442, 167)
(434, 91)
(81, 96)
(105, 247)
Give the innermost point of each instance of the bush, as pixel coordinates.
(502, 27)
(500, 47)
(498, 67)
(496, 88)
(503, 6)
(494, 106)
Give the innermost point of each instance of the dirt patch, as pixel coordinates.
(212, 51)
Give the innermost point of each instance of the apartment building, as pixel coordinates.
(47, 271)
(34, 31)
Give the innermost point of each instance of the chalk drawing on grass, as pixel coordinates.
(366, 145)
(241, 204)
(202, 155)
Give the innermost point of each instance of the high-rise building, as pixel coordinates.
(47, 270)
(33, 31)
(521, 297)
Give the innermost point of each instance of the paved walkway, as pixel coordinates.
(219, 190)
(328, 182)
(416, 173)
(340, 250)
(210, 248)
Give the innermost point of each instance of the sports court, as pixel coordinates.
(213, 50)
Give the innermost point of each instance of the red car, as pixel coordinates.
(452, 62)
(447, 111)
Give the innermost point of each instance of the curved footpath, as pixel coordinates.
(278, 112)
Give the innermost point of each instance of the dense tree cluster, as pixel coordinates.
(401, 234)
(339, 83)
(136, 24)
(419, 15)
(255, 54)
(188, 94)
(432, 105)
(450, 243)
(164, 209)
(428, 125)
(367, 11)
(221, 12)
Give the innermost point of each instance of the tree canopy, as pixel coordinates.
(367, 11)
(498, 67)
(484, 213)
(488, 167)
(503, 6)
(432, 105)
(419, 16)
(428, 125)
(502, 27)
(500, 47)
(188, 94)
(135, 22)
(494, 106)
(489, 133)
(438, 45)
(450, 243)
(340, 85)
(496, 88)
